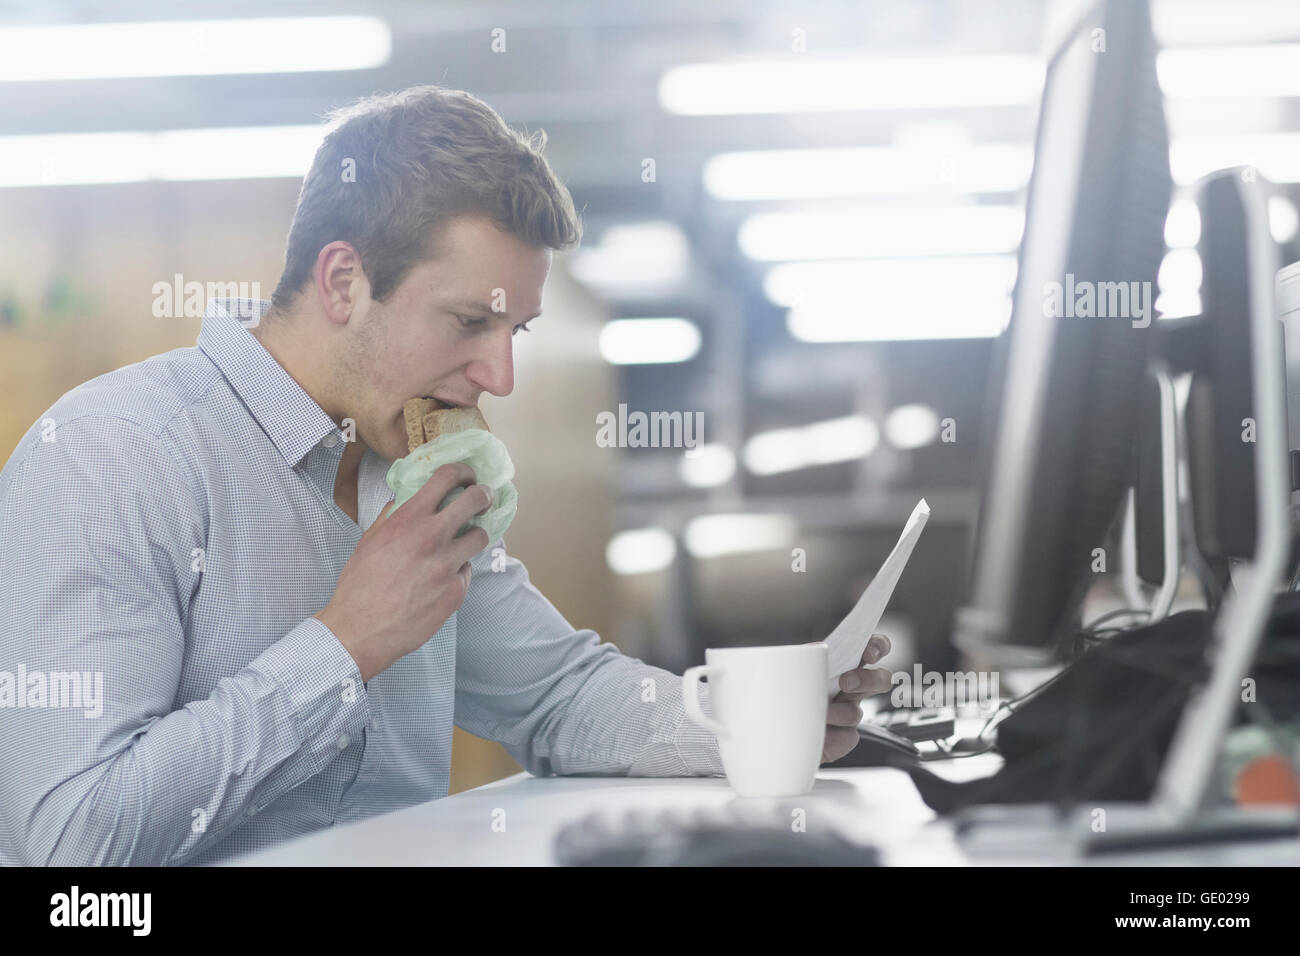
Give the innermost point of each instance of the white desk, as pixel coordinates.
(870, 805)
(879, 806)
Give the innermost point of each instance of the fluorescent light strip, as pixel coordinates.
(795, 85)
(252, 152)
(192, 48)
(1275, 156)
(634, 256)
(1263, 70)
(869, 171)
(649, 341)
(872, 233)
(841, 283)
(1188, 22)
(764, 175)
(911, 318)
(823, 443)
(713, 536)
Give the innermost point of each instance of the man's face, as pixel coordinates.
(437, 335)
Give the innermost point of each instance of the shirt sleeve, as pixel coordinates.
(559, 700)
(99, 528)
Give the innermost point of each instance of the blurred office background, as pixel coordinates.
(801, 221)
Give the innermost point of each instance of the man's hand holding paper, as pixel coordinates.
(844, 712)
(853, 646)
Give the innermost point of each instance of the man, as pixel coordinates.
(199, 535)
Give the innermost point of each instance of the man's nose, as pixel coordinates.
(493, 369)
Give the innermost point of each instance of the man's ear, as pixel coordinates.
(340, 280)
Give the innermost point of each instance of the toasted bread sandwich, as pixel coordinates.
(425, 421)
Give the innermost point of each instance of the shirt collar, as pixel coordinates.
(288, 415)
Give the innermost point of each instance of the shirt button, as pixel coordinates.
(342, 742)
(331, 440)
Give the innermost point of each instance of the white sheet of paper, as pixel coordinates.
(849, 639)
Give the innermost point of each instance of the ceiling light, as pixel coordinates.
(868, 171)
(845, 283)
(252, 152)
(640, 551)
(1257, 71)
(823, 443)
(871, 233)
(634, 257)
(1183, 224)
(648, 341)
(83, 51)
(712, 536)
(911, 426)
(1275, 156)
(708, 466)
(1283, 220)
(879, 83)
(1180, 271)
(911, 317)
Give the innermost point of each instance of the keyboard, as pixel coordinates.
(925, 723)
(720, 837)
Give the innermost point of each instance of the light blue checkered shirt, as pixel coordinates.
(171, 526)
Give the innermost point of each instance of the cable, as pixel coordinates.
(945, 753)
(1012, 704)
(1087, 634)
(1007, 705)
(1116, 613)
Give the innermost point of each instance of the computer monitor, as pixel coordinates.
(1237, 438)
(1071, 367)
(1216, 347)
(1066, 418)
(1220, 408)
(1219, 421)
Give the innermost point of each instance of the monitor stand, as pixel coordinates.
(1157, 607)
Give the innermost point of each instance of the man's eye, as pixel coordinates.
(523, 327)
(469, 322)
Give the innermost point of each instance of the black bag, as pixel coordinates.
(1101, 731)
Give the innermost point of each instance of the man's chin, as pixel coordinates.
(394, 442)
(365, 443)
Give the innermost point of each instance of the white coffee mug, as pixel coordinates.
(769, 714)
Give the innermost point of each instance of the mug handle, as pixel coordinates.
(691, 700)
